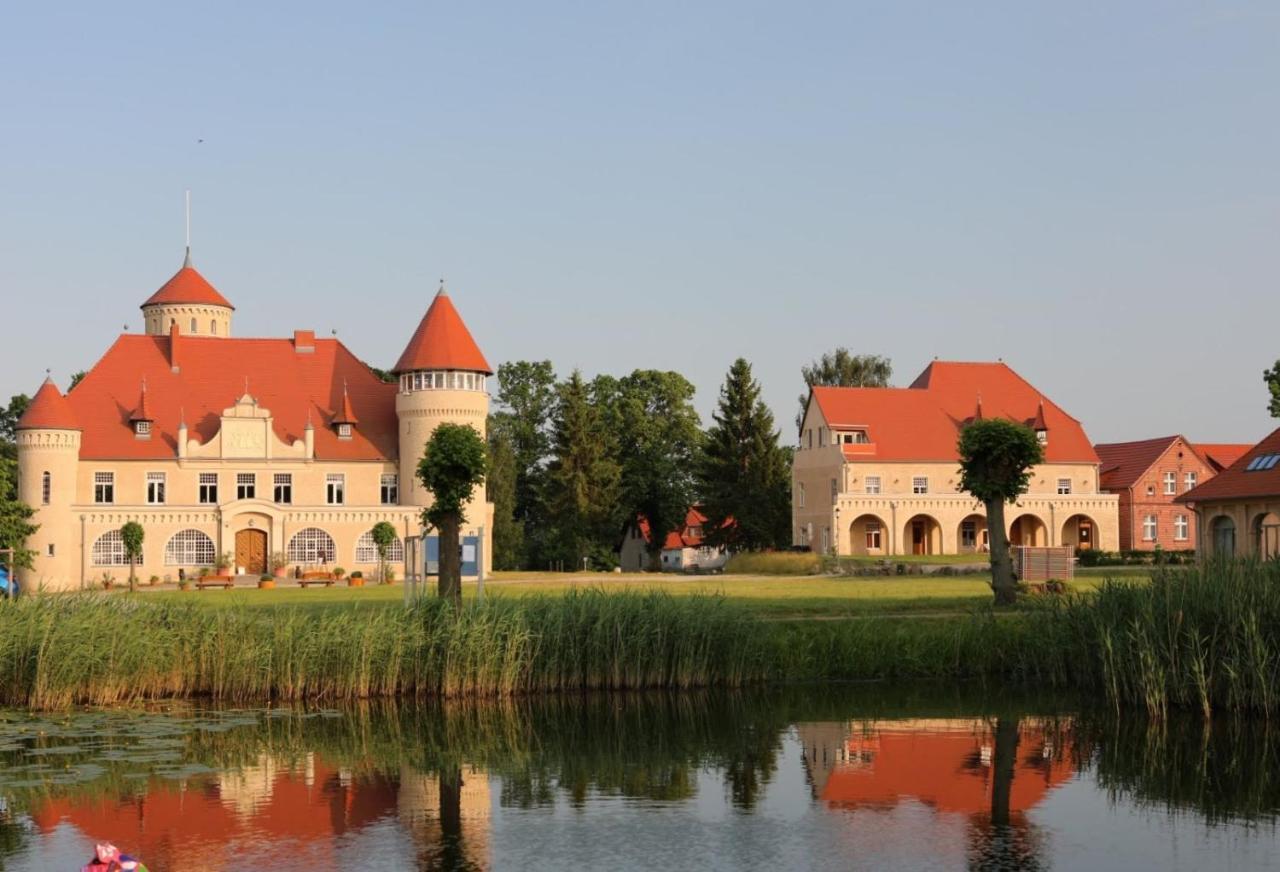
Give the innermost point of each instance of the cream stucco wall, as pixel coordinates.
(209, 320)
(1255, 524)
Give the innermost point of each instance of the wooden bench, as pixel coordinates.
(225, 582)
(310, 578)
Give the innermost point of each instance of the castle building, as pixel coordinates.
(877, 471)
(217, 445)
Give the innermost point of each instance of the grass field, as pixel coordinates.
(768, 596)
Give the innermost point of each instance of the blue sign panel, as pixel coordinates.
(470, 554)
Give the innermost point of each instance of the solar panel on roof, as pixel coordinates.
(1263, 462)
(1272, 460)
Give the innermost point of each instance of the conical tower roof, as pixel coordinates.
(188, 286)
(442, 341)
(49, 410)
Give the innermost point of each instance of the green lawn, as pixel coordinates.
(771, 596)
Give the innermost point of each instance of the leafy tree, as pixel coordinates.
(451, 469)
(583, 478)
(843, 369)
(658, 436)
(508, 532)
(15, 517)
(1272, 378)
(996, 457)
(76, 378)
(9, 416)
(383, 535)
(526, 398)
(744, 474)
(384, 375)
(131, 535)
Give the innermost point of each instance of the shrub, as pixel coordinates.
(153, 580)
(338, 572)
(357, 574)
(774, 563)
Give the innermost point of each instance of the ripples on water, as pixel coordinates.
(808, 778)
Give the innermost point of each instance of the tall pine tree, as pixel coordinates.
(744, 474)
(582, 479)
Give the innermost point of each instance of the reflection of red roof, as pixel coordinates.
(188, 286)
(1237, 481)
(923, 421)
(191, 827)
(943, 770)
(49, 410)
(211, 376)
(442, 341)
(687, 536)
(1221, 455)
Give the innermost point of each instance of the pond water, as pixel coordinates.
(796, 778)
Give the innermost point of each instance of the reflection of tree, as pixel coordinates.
(1001, 839)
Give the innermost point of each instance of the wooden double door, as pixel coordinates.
(251, 551)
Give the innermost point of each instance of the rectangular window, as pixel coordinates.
(50, 549)
(1170, 483)
(920, 484)
(821, 432)
(873, 535)
(142, 428)
(1190, 480)
(246, 486)
(810, 436)
(835, 489)
(800, 495)
(872, 484)
(1149, 528)
(1181, 529)
(826, 539)
(104, 487)
(390, 489)
(284, 488)
(209, 488)
(335, 486)
(46, 488)
(968, 534)
(344, 431)
(155, 488)
(1064, 485)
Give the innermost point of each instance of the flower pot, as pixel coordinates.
(266, 585)
(281, 572)
(355, 582)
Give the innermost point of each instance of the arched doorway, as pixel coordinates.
(1080, 533)
(868, 534)
(1223, 536)
(1028, 530)
(922, 535)
(251, 551)
(971, 535)
(1266, 535)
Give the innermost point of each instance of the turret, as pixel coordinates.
(188, 304)
(442, 379)
(48, 455)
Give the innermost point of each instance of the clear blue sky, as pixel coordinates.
(1091, 192)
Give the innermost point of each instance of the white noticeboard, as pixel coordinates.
(468, 553)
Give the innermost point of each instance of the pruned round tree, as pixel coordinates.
(383, 535)
(131, 536)
(996, 458)
(452, 468)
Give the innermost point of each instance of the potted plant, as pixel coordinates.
(356, 579)
(223, 563)
(108, 580)
(184, 584)
(266, 582)
(203, 572)
(338, 572)
(388, 575)
(153, 580)
(279, 564)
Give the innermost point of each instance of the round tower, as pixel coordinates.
(188, 302)
(442, 380)
(48, 459)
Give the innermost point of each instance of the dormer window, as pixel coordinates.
(344, 431)
(855, 437)
(142, 429)
(1042, 436)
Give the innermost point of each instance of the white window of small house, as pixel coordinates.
(1189, 481)
(1181, 528)
(1170, 483)
(1149, 528)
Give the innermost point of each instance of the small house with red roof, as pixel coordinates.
(877, 470)
(1148, 475)
(248, 447)
(685, 550)
(1238, 510)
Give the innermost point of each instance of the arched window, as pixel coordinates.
(312, 545)
(367, 551)
(46, 488)
(213, 326)
(189, 548)
(193, 325)
(108, 550)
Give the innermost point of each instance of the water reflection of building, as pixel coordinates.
(947, 765)
(300, 810)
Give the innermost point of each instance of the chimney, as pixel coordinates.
(304, 341)
(173, 347)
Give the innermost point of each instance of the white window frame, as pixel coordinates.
(190, 547)
(207, 488)
(344, 431)
(246, 486)
(282, 480)
(1064, 487)
(108, 550)
(969, 528)
(1189, 480)
(104, 488)
(1170, 483)
(367, 550)
(874, 532)
(142, 428)
(389, 489)
(312, 545)
(335, 488)
(157, 485)
(919, 484)
(871, 484)
(1181, 528)
(1150, 528)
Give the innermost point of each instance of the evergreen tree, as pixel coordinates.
(744, 474)
(526, 398)
(508, 532)
(582, 478)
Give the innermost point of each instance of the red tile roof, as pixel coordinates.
(923, 421)
(211, 377)
(188, 286)
(142, 411)
(346, 415)
(49, 410)
(1123, 463)
(1221, 455)
(442, 341)
(1237, 482)
(683, 538)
